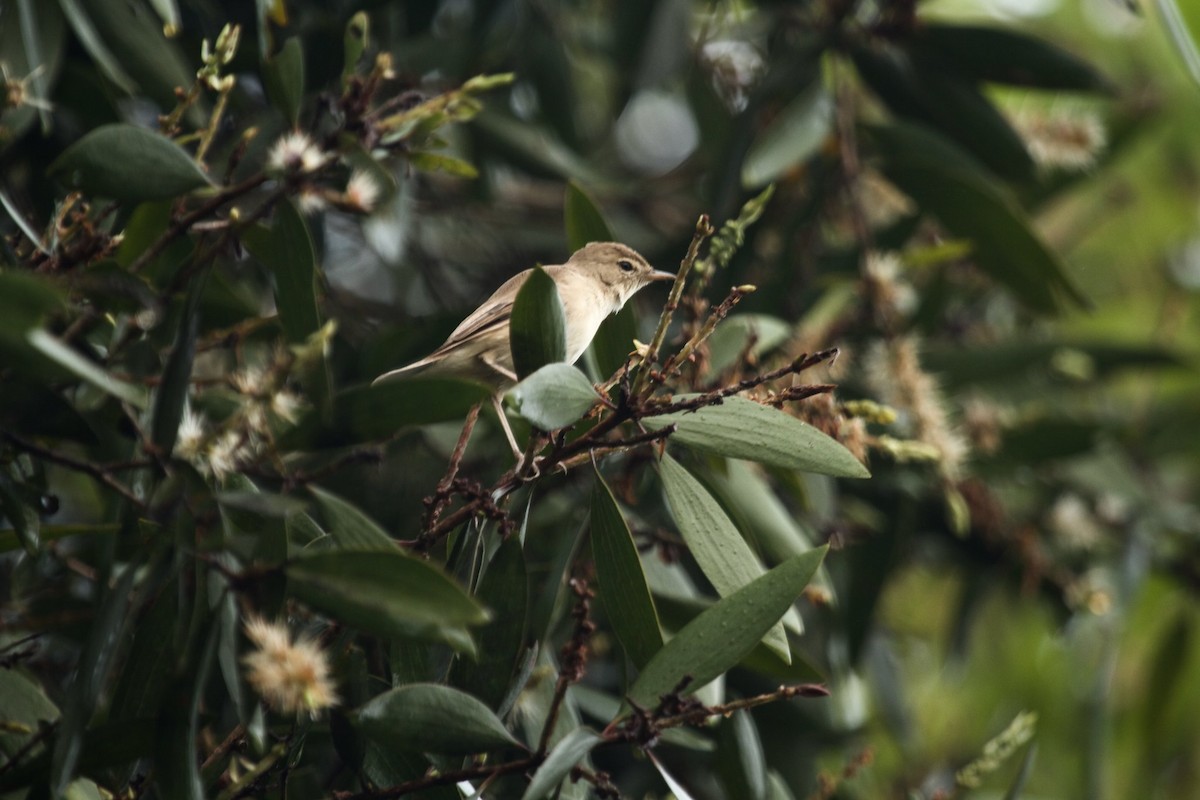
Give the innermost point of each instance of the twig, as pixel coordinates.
(441, 495)
(444, 779)
(98, 471)
(235, 735)
(573, 658)
(704, 229)
(181, 225)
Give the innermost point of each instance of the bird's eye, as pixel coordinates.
(626, 266)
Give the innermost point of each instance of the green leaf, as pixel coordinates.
(504, 590)
(742, 428)
(998, 55)
(582, 218)
(175, 736)
(286, 249)
(172, 393)
(537, 331)
(24, 520)
(104, 639)
(732, 336)
(1183, 25)
(791, 138)
(128, 163)
(559, 762)
(723, 555)
(350, 528)
(386, 594)
(720, 637)
(283, 77)
(740, 760)
(947, 102)
(88, 371)
(94, 43)
(427, 717)
(24, 703)
(938, 177)
(623, 590)
(168, 12)
(440, 162)
(354, 44)
(554, 396)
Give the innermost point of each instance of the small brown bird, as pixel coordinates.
(595, 282)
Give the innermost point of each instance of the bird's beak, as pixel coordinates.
(659, 275)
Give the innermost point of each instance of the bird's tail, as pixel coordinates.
(412, 368)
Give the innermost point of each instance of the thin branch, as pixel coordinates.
(180, 226)
(704, 229)
(100, 472)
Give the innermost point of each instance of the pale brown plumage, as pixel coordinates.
(595, 282)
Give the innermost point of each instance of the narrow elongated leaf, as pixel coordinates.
(94, 665)
(555, 396)
(537, 331)
(172, 394)
(386, 594)
(504, 590)
(720, 637)
(126, 162)
(283, 76)
(574, 747)
(740, 760)
(90, 372)
(742, 428)
(16, 512)
(94, 43)
(430, 718)
(791, 138)
(350, 528)
(286, 249)
(168, 12)
(354, 44)
(723, 555)
(940, 178)
(583, 220)
(623, 589)
(175, 748)
(999, 55)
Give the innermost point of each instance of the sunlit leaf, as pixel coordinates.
(554, 396)
(742, 428)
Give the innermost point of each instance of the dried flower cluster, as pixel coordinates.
(290, 676)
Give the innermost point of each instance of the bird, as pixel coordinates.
(596, 281)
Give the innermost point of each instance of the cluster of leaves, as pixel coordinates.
(189, 439)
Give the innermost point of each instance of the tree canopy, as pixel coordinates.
(891, 493)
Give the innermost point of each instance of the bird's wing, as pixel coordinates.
(493, 313)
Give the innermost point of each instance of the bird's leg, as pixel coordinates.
(487, 358)
(512, 440)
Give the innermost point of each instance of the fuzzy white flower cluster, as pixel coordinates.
(291, 676)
